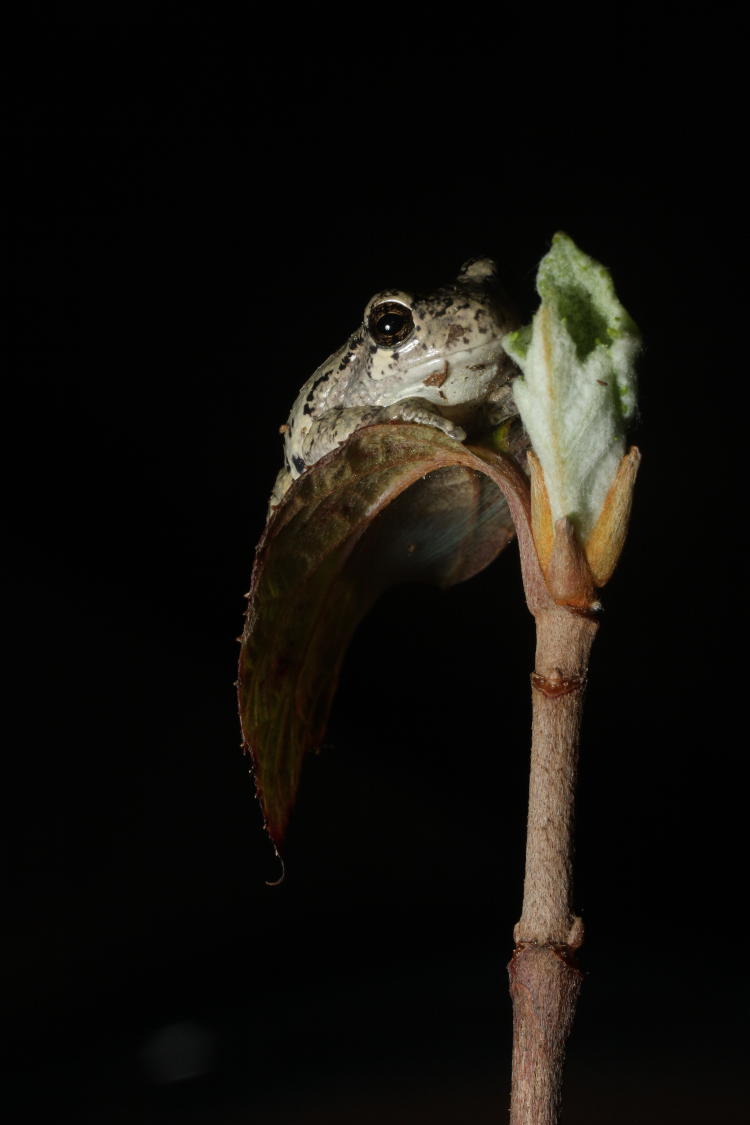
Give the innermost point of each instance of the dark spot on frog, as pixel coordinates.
(437, 378)
(299, 463)
(436, 311)
(321, 379)
(307, 409)
(455, 333)
(602, 382)
(394, 355)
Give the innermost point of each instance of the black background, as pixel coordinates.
(199, 214)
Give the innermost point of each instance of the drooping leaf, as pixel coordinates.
(395, 502)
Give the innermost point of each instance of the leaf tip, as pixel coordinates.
(282, 876)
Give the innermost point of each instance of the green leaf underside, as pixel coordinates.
(397, 502)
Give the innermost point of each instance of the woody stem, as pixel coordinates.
(544, 981)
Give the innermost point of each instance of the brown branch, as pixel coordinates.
(544, 982)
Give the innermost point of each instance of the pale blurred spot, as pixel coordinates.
(178, 1051)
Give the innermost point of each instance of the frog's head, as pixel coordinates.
(444, 346)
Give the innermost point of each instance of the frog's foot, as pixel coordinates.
(500, 405)
(419, 410)
(497, 415)
(281, 485)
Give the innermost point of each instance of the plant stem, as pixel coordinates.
(544, 982)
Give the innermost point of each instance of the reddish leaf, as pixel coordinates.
(396, 502)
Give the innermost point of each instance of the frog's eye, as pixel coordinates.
(390, 323)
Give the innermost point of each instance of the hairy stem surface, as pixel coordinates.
(544, 982)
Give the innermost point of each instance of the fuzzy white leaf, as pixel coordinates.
(578, 387)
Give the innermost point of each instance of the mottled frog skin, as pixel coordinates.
(435, 359)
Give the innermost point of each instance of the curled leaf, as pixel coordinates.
(395, 502)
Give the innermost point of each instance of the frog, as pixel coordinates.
(435, 359)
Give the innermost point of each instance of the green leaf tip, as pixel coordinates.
(583, 293)
(578, 389)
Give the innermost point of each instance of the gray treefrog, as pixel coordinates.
(435, 359)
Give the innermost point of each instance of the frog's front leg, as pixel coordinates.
(336, 425)
(426, 413)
